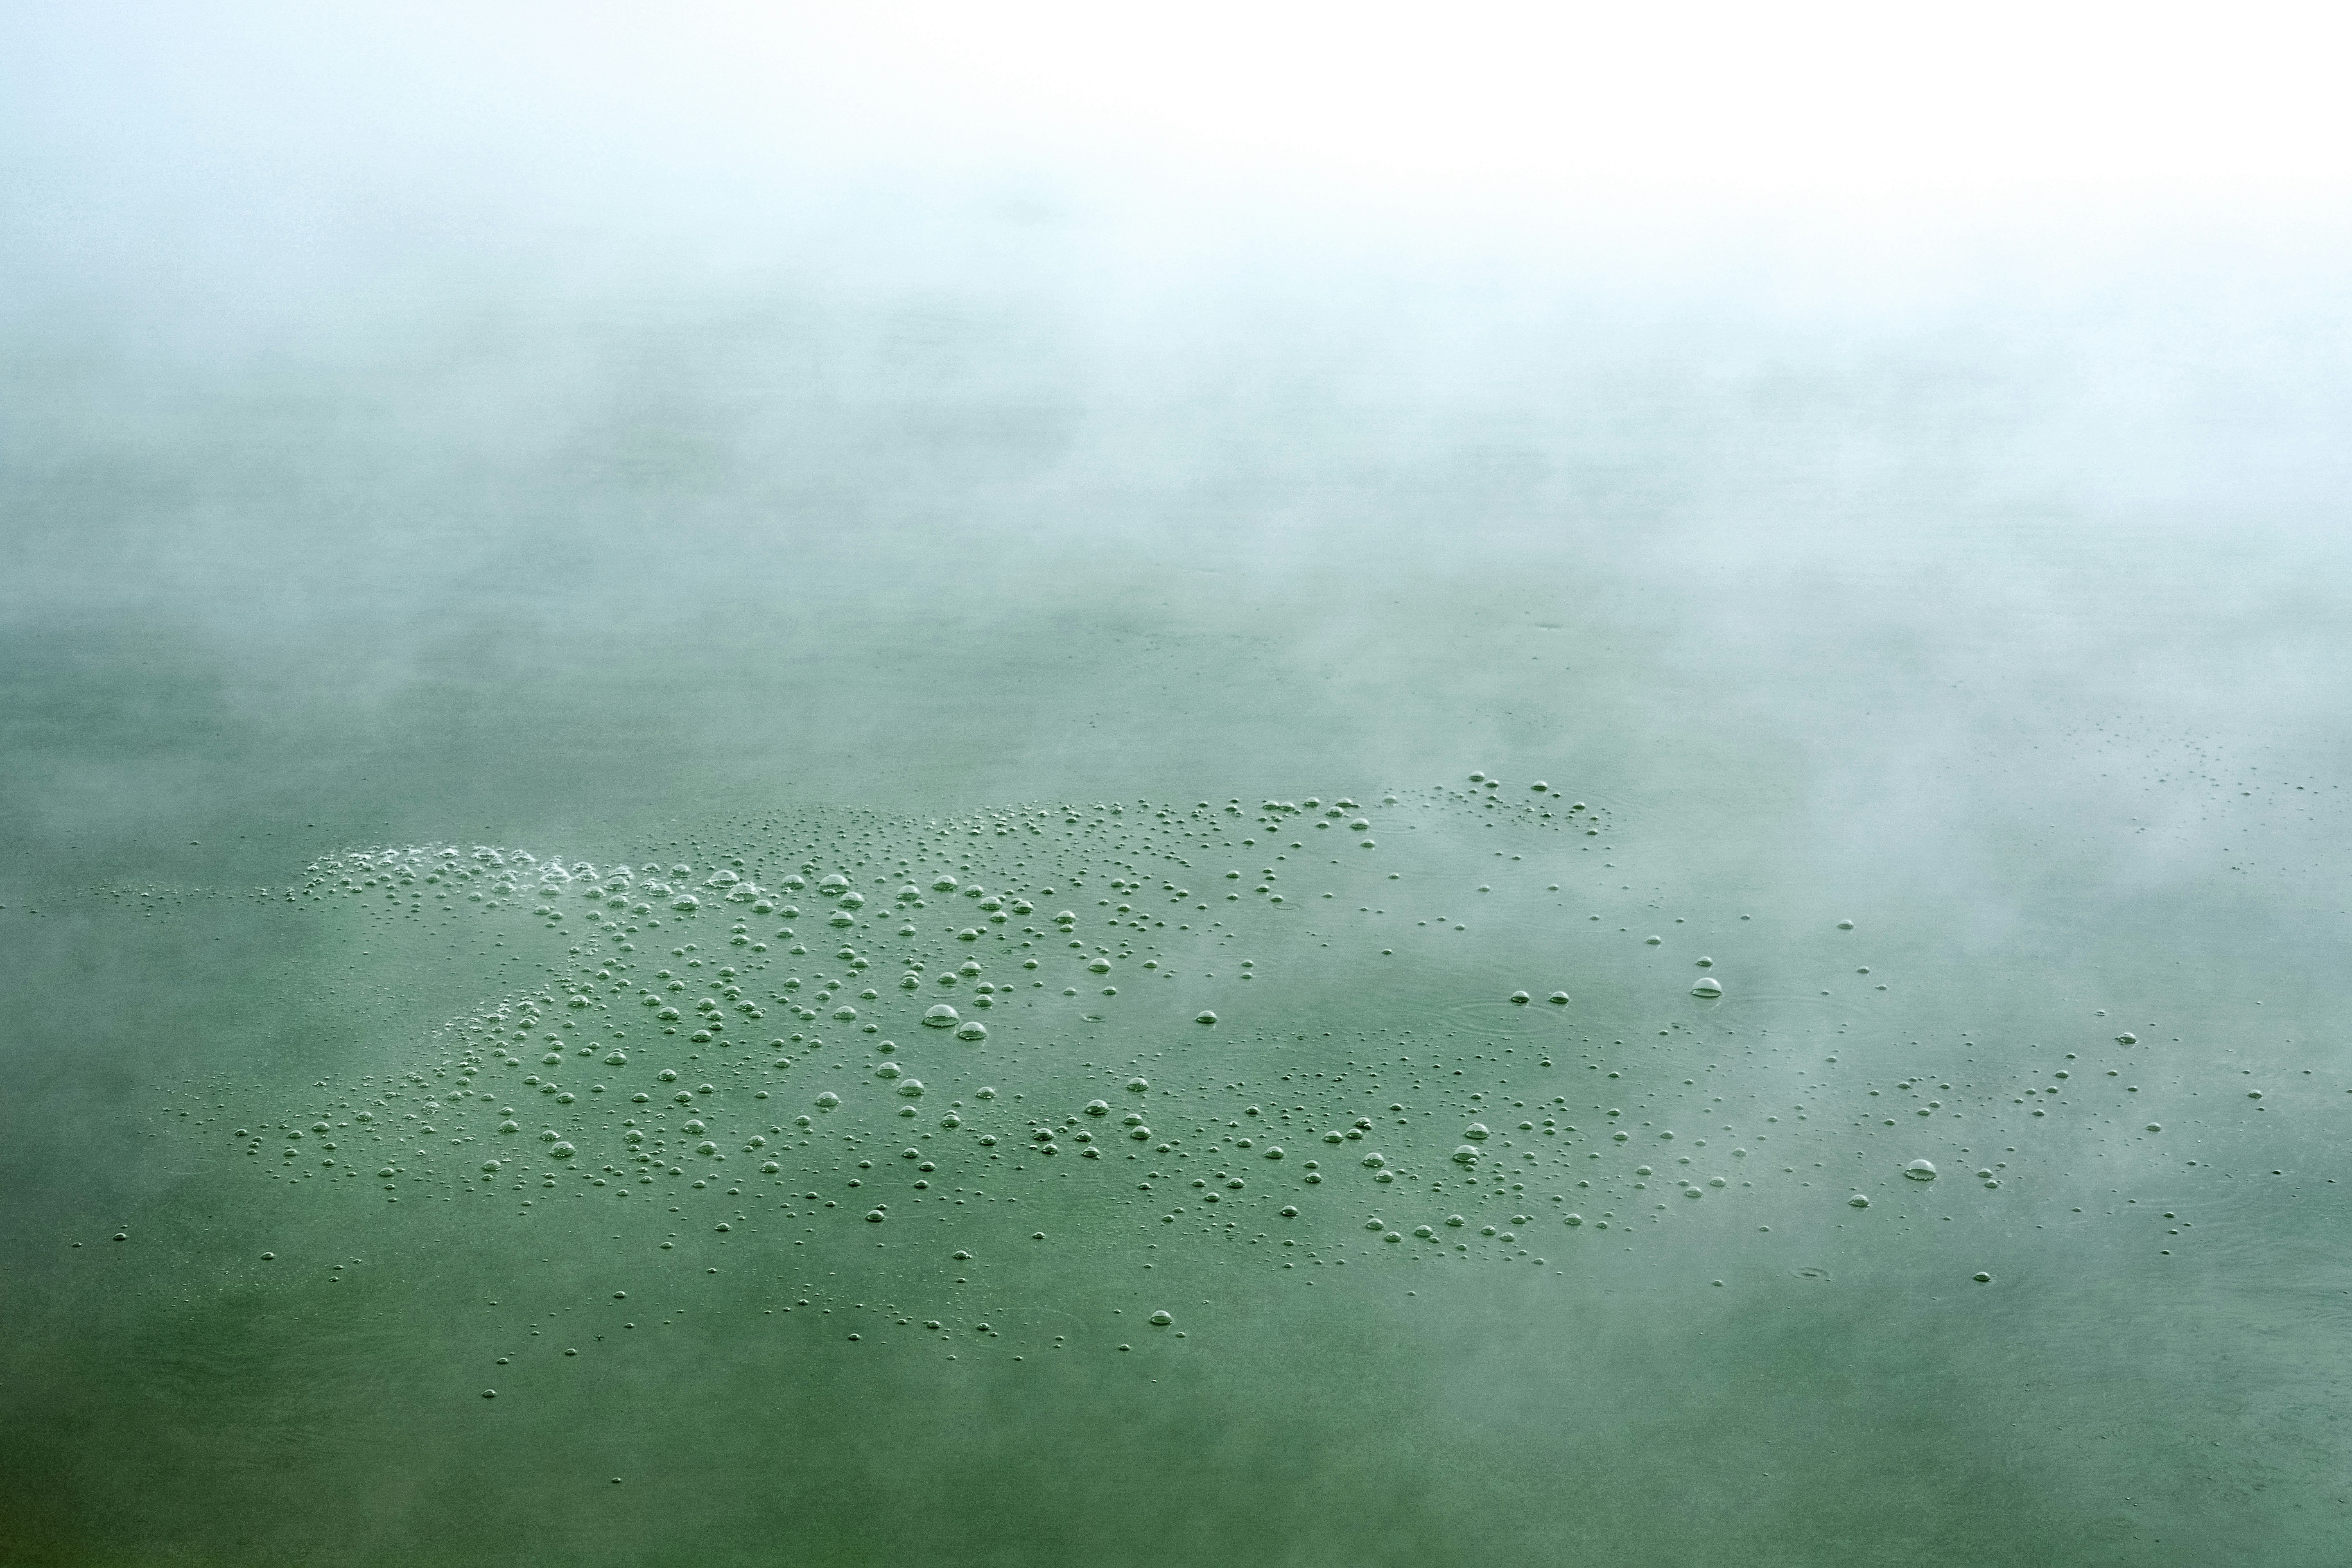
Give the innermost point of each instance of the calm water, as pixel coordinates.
(396, 1173)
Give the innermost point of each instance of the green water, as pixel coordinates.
(1953, 688)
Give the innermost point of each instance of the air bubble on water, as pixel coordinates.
(1920, 1171)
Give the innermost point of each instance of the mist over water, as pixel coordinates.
(1606, 721)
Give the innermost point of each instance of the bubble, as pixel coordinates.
(488, 1166)
(1138, 1085)
(1708, 986)
(912, 1088)
(1467, 1154)
(972, 1029)
(984, 1092)
(939, 1015)
(1520, 998)
(1981, 1278)
(827, 1101)
(1845, 925)
(2155, 1127)
(1858, 1201)
(875, 1216)
(1205, 1016)
(1558, 998)
(1920, 1171)
(1098, 1108)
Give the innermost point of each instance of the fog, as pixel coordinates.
(1881, 468)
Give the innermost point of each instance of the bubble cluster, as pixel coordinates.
(1297, 1040)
